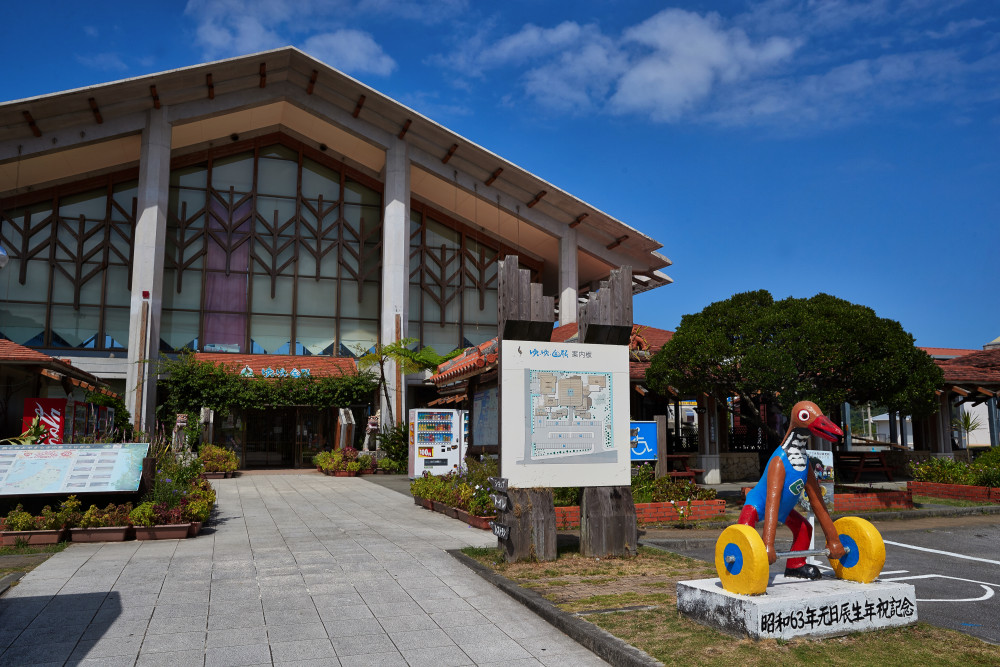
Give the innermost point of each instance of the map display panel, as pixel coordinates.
(101, 468)
(565, 414)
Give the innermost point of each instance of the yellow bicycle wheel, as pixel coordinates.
(741, 560)
(867, 556)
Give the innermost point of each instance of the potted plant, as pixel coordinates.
(366, 464)
(196, 512)
(108, 525)
(47, 528)
(218, 462)
(155, 521)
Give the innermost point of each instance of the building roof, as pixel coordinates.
(19, 356)
(982, 367)
(60, 134)
(946, 352)
(473, 361)
(318, 366)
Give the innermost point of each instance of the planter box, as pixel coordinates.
(230, 473)
(195, 529)
(980, 494)
(104, 534)
(213, 475)
(447, 510)
(11, 537)
(569, 517)
(173, 531)
(854, 499)
(417, 500)
(345, 473)
(480, 522)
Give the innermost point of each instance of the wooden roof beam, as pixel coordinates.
(263, 75)
(210, 85)
(617, 242)
(31, 123)
(538, 198)
(451, 151)
(96, 111)
(312, 82)
(155, 96)
(580, 218)
(357, 107)
(958, 390)
(494, 176)
(405, 129)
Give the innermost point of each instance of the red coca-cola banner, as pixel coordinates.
(51, 413)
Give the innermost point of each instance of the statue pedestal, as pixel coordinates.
(799, 608)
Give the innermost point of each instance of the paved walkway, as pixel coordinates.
(300, 570)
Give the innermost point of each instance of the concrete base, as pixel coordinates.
(797, 608)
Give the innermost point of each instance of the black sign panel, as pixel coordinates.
(433, 463)
(500, 530)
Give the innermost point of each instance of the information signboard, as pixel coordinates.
(642, 440)
(485, 415)
(565, 418)
(71, 468)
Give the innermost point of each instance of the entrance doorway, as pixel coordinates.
(286, 437)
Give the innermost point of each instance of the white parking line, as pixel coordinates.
(987, 586)
(943, 553)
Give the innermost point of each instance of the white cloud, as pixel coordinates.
(103, 61)
(231, 27)
(350, 51)
(690, 55)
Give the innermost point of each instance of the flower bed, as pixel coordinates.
(346, 462)
(691, 510)
(980, 494)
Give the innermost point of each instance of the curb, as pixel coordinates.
(9, 580)
(602, 643)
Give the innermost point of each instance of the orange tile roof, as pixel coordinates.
(318, 366)
(946, 352)
(645, 342)
(12, 354)
(982, 367)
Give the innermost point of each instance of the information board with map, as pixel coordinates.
(94, 468)
(565, 419)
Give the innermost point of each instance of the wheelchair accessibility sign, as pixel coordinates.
(642, 436)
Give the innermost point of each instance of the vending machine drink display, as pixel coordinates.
(56, 416)
(437, 441)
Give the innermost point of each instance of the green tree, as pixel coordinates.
(822, 349)
(408, 360)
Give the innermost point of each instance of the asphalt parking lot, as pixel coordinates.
(952, 562)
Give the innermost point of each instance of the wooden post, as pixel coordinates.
(607, 513)
(531, 516)
(608, 522)
(661, 446)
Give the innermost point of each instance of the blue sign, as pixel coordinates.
(642, 437)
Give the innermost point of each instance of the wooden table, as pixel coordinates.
(859, 462)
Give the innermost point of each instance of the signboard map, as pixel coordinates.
(565, 418)
(35, 469)
(570, 413)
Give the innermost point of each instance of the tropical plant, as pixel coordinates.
(19, 520)
(406, 360)
(32, 436)
(823, 349)
(143, 515)
(966, 423)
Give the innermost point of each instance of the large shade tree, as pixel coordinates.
(822, 349)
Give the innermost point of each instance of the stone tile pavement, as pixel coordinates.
(300, 570)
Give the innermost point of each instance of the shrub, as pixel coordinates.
(367, 462)
(566, 496)
(942, 471)
(143, 515)
(111, 516)
(197, 510)
(395, 441)
(217, 459)
(17, 519)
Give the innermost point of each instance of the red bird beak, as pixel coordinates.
(826, 429)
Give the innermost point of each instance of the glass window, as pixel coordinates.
(234, 171)
(225, 332)
(357, 337)
(277, 177)
(315, 335)
(283, 295)
(186, 205)
(118, 293)
(190, 177)
(443, 339)
(125, 195)
(317, 297)
(190, 295)
(268, 334)
(318, 180)
(75, 328)
(116, 322)
(366, 307)
(178, 330)
(92, 205)
(23, 323)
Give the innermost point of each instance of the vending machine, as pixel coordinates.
(437, 441)
(56, 416)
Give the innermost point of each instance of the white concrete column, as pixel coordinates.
(395, 266)
(709, 460)
(569, 277)
(147, 269)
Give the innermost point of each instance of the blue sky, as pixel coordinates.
(799, 146)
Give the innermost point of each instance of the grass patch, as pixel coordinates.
(574, 584)
(25, 549)
(950, 502)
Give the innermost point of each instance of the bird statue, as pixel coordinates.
(787, 473)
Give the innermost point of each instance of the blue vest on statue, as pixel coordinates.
(795, 483)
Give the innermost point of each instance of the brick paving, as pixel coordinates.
(297, 570)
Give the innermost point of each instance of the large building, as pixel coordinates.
(269, 205)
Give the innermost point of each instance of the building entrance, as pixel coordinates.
(286, 437)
